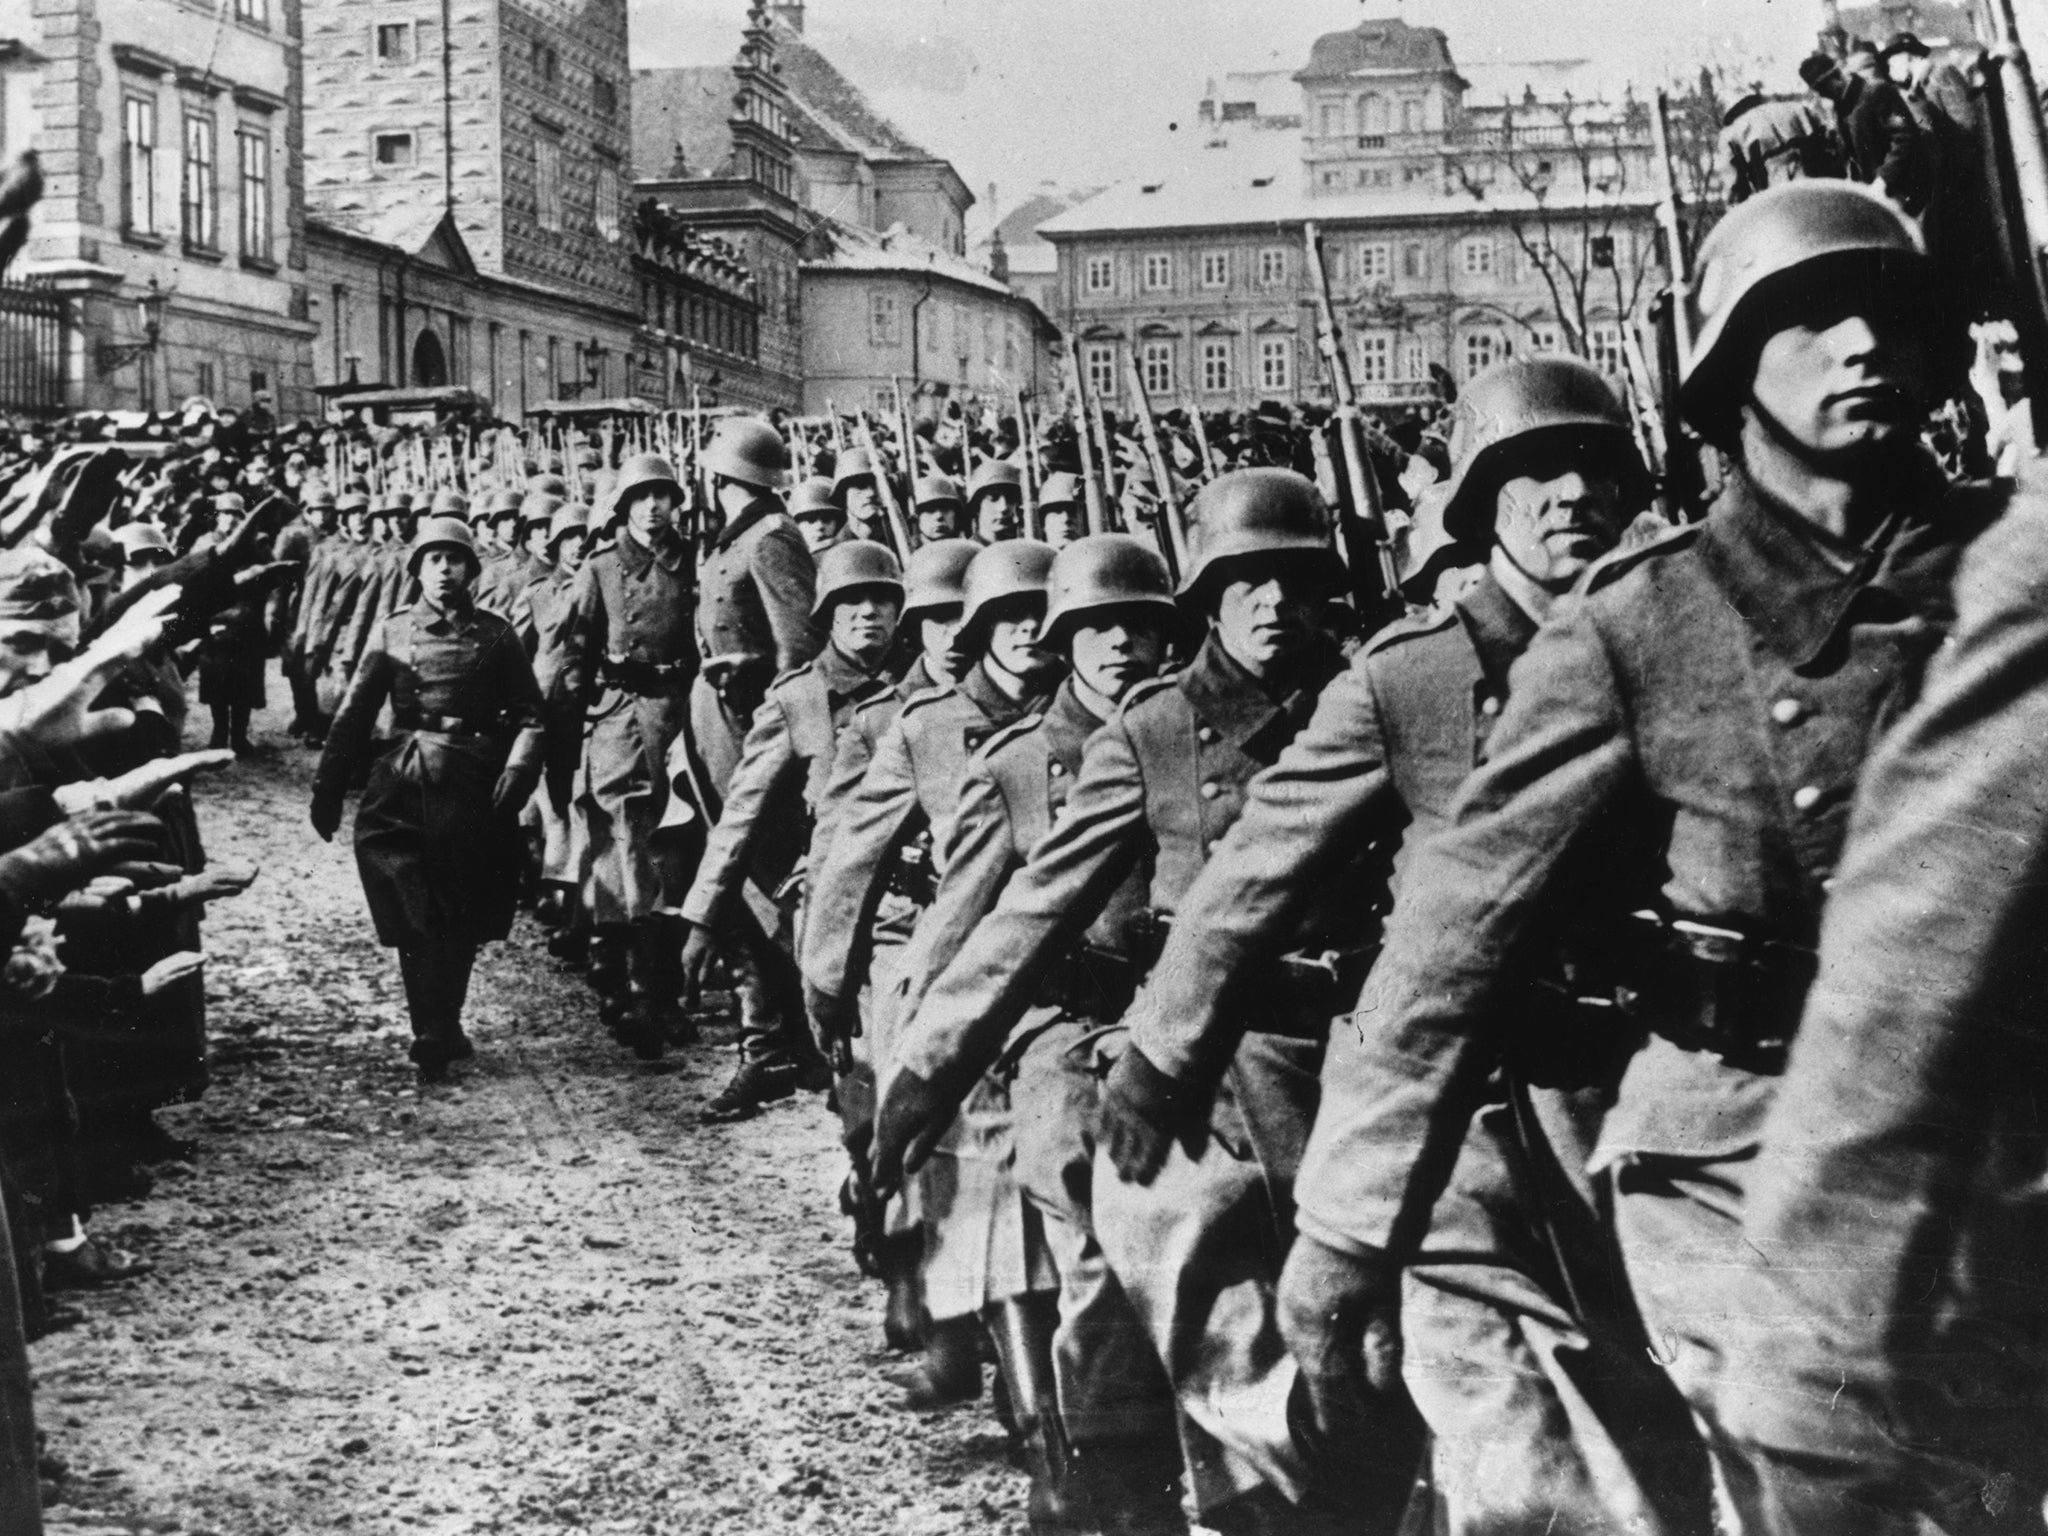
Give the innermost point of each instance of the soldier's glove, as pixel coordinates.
(1142, 1111)
(514, 789)
(914, 1115)
(1340, 1315)
(327, 816)
(699, 950)
(43, 870)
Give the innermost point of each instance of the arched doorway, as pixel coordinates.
(429, 362)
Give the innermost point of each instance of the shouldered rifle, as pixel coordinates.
(899, 526)
(1367, 519)
(1091, 486)
(1032, 472)
(910, 465)
(1173, 541)
(1679, 474)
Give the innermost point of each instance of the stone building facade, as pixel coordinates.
(171, 144)
(1457, 227)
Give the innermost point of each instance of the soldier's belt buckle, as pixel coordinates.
(1321, 965)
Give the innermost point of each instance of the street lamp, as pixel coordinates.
(594, 357)
(149, 309)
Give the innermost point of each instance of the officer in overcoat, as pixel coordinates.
(1693, 720)
(437, 832)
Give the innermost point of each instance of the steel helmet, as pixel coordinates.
(937, 577)
(856, 563)
(1511, 407)
(450, 502)
(813, 498)
(230, 501)
(1060, 490)
(354, 501)
(502, 502)
(1793, 228)
(1106, 570)
(643, 471)
(749, 450)
(1013, 568)
(994, 475)
(550, 482)
(538, 507)
(441, 533)
(937, 491)
(570, 517)
(853, 465)
(134, 537)
(319, 497)
(1255, 512)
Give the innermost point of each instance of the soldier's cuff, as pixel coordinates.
(1362, 1231)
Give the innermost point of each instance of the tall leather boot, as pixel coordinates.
(1022, 1327)
(643, 1024)
(904, 1322)
(948, 1373)
(1134, 1488)
(608, 951)
(664, 966)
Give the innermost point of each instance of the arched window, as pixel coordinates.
(429, 361)
(1372, 114)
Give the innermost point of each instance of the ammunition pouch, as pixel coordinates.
(1093, 984)
(912, 876)
(1303, 990)
(1732, 995)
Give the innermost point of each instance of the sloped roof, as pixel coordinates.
(829, 109)
(427, 234)
(687, 107)
(1934, 22)
(1383, 47)
(1255, 183)
(849, 248)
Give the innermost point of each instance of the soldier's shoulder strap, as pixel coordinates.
(1010, 735)
(1428, 621)
(925, 698)
(1151, 688)
(1611, 567)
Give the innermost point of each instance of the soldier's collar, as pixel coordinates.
(1244, 710)
(842, 674)
(1795, 585)
(980, 690)
(668, 552)
(443, 621)
(751, 514)
(1499, 627)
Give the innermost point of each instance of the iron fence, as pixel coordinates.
(33, 352)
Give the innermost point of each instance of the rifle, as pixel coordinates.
(1173, 539)
(899, 527)
(1680, 472)
(1091, 487)
(909, 438)
(1209, 470)
(1033, 471)
(1359, 481)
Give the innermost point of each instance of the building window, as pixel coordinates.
(202, 379)
(1603, 344)
(259, 381)
(1216, 366)
(884, 320)
(1482, 350)
(1158, 271)
(1372, 114)
(1333, 120)
(138, 164)
(1276, 364)
(1215, 269)
(1545, 338)
(1414, 361)
(547, 64)
(1272, 266)
(1475, 255)
(1155, 363)
(1375, 262)
(1414, 261)
(1375, 357)
(392, 151)
(1378, 177)
(608, 201)
(604, 95)
(1100, 357)
(253, 151)
(1330, 178)
(255, 12)
(1100, 275)
(1411, 175)
(202, 189)
(1411, 116)
(547, 181)
(395, 42)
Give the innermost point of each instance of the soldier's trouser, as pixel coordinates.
(1111, 1389)
(436, 977)
(636, 866)
(983, 1240)
(1543, 1420)
(771, 994)
(305, 696)
(21, 1504)
(1199, 1251)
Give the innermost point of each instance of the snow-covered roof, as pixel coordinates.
(853, 249)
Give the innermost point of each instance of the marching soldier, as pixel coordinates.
(1088, 1394)
(770, 803)
(1693, 721)
(1060, 518)
(1544, 477)
(995, 501)
(1158, 788)
(938, 502)
(757, 588)
(887, 1243)
(853, 485)
(437, 833)
(301, 540)
(327, 609)
(619, 700)
(881, 841)
(818, 517)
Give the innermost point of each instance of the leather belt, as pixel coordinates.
(448, 725)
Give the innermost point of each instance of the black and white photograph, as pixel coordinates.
(1023, 768)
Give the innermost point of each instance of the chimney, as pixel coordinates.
(998, 258)
(790, 13)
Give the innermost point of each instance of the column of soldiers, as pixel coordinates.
(1338, 1081)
